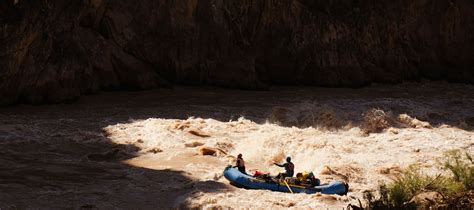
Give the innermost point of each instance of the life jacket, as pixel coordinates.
(240, 162)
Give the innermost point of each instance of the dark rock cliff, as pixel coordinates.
(56, 50)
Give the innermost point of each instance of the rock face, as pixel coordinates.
(54, 51)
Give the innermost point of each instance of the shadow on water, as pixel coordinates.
(435, 103)
(47, 163)
(59, 156)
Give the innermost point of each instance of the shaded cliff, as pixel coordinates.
(54, 51)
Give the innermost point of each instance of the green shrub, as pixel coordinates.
(462, 168)
(397, 194)
(454, 188)
(409, 183)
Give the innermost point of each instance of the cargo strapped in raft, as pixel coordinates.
(243, 180)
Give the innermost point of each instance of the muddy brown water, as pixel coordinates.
(127, 149)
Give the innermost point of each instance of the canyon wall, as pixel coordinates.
(55, 50)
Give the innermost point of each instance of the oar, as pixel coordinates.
(286, 183)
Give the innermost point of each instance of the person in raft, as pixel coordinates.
(289, 168)
(240, 164)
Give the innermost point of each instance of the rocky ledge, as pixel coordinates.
(54, 51)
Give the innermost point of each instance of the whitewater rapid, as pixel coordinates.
(344, 153)
(145, 149)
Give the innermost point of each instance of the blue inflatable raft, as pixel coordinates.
(243, 180)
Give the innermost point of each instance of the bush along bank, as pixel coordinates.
(411, 189)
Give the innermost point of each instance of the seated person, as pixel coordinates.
(289, 168)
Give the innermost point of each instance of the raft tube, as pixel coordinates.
(243, 180)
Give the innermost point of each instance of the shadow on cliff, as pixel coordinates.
(57, 163)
